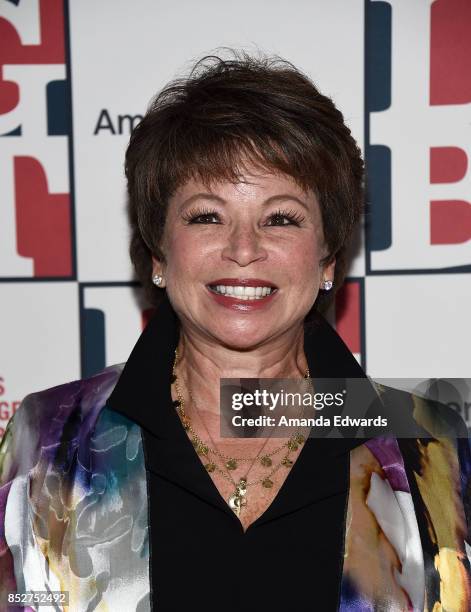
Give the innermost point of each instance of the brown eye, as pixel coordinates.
(207, 218)
(201, 216)
(279, 220)
(291, 217)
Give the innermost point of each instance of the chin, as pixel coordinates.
(241, 339)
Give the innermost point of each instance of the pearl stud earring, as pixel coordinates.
(327, 285)
(157, 279)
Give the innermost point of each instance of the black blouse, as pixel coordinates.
(291, 557)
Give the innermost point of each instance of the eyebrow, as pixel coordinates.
(203, 196)
(276, 198)
(286, 196)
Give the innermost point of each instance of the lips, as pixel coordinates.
(244, 295)
(243, 282)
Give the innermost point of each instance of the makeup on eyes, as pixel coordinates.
(294, 217)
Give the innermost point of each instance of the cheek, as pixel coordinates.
(301, 259)
(187, 254)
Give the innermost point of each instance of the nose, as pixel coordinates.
(244, 245)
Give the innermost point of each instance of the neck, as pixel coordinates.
(202, 363)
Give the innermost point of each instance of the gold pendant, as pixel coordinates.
(237, 500)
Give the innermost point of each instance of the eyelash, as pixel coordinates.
(295, 218)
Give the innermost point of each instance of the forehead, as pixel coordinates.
(252, 186)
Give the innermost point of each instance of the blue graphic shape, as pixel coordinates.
(377, 56)
(16, 132)
(15, 2)
(58, 109)
(378, 213)
(93, 342)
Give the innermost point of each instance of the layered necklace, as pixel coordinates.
(238, 499)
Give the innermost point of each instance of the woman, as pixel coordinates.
(245, 186)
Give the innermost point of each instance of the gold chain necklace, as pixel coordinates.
(232, 463)
(238, 499)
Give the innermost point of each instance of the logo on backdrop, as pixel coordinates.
(7, 407)
(418, 97)
(112, 318)
(36, 228)
(112, 125)
(348, 317)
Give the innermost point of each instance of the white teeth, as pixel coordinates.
(244, 292)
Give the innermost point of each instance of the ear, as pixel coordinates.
(157, 267)
(328, 272)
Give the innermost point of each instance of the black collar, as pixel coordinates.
(143, 394)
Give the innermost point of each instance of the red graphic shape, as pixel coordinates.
(146, 316)
(450, 222)
(347, 315)
(12, 51)
(450, 52)
(447, 164)
(43, 230)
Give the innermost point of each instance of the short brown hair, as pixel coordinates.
(260, 109)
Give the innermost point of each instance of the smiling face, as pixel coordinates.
(225, 247)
